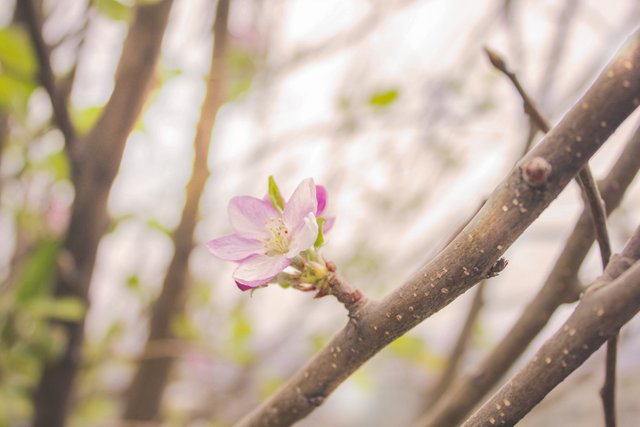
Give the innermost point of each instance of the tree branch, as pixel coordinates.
(99, 159)
(559, 287)
(46, 75)
(599, 217)
(147, 386)
(511, 208)
(610, 302)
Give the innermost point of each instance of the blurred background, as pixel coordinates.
(391, 105)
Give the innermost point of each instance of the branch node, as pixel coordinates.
(497, 268)
(536, 172)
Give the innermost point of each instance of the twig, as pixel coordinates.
(459, 348)
(465, 261)
(46, 75)
(559, 287)
(599, 216)
(600, 314)
(352, 299)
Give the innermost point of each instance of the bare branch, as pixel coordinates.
(610, 303)
(511, 208)
(46, 75)
(99, 160)
(559, 287)
(150, 379)
(599, 216)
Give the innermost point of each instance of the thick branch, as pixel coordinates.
(511, 208)
(599, 216)
(601, 313)
(99, 162)
(148, 384)
(559, 287)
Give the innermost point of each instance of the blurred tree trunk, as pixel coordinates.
(148, 384)
(95, 162)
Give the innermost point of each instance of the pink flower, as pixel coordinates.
(266, 238)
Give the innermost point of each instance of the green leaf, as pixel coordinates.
(384, 98)
(183, 327)
(85, 119)
(16, 53)
(15, 93)
(412, 348)
(113, 9)
(274, 195)
(64, 308)
(37, 271)
(320, 239)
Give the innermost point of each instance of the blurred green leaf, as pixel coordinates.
(133, 283)
(57, 163)
(15, 93)
(242, 329)
(156, 225)
(16, 53)
(413, 349)
(269, 386)
(113, 9)
(37, 272)
(64, 308)
(85, 119)
(242, 69)
(183, 327)
(384, 98)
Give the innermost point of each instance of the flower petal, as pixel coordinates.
(302, 202)
(259, 269)
(305, 237)
(248, 216)
(235, 248)
(321, 197)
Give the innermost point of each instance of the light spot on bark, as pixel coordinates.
(444, 290)
(627, 65)
(578, 138)
(492, 420)
(506, 402)
(504, 208)
(626, 83)
(498, 407)
(611, 74)
(603, 124)
(334, 366)
(585, 105)
(410, 308)
(572, 332)
(398, 317)
(565, 350)
(547, 360)
(499, 247)
(600, 312)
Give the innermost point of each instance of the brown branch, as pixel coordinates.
(149, 381)
(510, 209)
(99, 160)
(459, 349)
(46, 75)
(559, 287)
(610, 303)
(599, 217)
